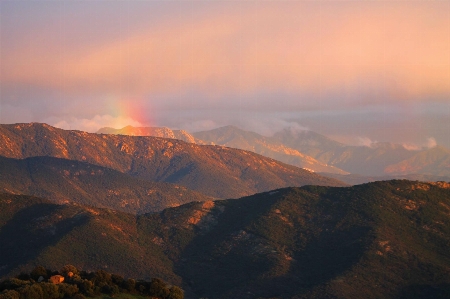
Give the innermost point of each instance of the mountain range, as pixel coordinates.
(216, 171)
(224, 222)
(379, 240)
(313, 151)
(231, 136)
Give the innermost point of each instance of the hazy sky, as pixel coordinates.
(357, 71)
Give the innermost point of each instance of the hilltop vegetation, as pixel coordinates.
(379, 240)
(81, 284)
(355, 179)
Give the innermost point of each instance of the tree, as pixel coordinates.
(49, 290)
(86, 287)
(9, 294)
(176, 293)
(129, 285)
(68, 268)
(117, 279)
(67, 290)
(38, 272)
(33, 291)
(13, 283)
(101, 278)
(158, 288)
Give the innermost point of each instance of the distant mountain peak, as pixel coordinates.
(279, 149)
(163, 132)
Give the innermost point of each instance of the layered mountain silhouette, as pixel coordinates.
(362, 160)
(234, 137)
(434, 161)
(313, 151)
(65, 181)
(378, 240)
(216, 171)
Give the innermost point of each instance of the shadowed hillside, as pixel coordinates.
(64, 181)
(35, 231)
(379, 240)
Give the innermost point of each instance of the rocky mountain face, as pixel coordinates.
(215, 171)
(69, 181)
(232, 136)
(309, 142)
(378, 240)
(310, 150)
(378, 159)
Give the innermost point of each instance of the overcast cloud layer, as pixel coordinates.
(357, 71)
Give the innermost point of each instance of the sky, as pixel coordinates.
(356, 71)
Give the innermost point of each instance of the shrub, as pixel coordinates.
(176, 293)
(38, 272)
(68, 268)
(33, 291)
(50, 290)
(158, 288)
(9, 294)
(67, 290)
(129, 285)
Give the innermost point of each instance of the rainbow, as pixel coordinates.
(137, 110)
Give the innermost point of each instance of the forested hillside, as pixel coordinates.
(378, 240)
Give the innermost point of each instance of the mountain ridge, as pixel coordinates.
(315, 152)
(433, 161)
(378, 240)
(233, 136)
(378, 159)
(215, 171)
(163, 132)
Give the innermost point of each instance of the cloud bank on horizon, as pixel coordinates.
(372, 70)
